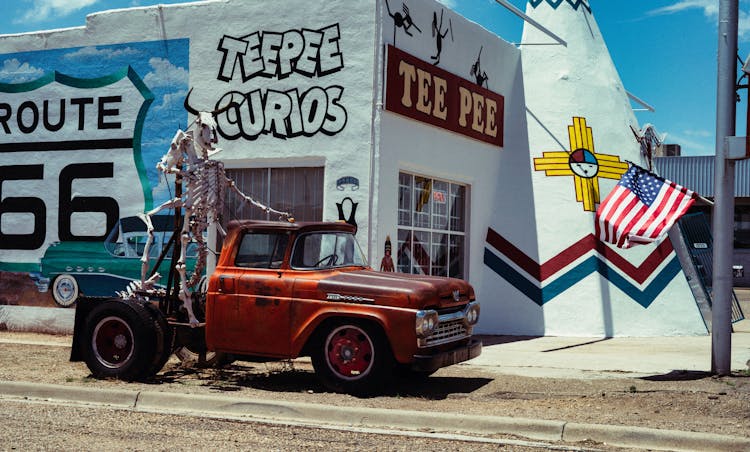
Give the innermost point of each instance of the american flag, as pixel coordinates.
(641, 209)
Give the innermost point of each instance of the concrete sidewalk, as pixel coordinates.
(566, 357)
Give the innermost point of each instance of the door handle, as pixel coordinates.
(226, 284)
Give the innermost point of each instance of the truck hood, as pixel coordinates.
(395, 289)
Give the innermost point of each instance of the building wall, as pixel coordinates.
(556, 277)
(123, 79)
(496, 176)
(299, 83)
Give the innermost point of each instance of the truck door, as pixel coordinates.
(256, 314)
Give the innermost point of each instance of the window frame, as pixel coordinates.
(453, 230)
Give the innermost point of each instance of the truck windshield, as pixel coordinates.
(326, 250)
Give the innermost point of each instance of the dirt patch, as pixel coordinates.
(18, 289)
(688, 401)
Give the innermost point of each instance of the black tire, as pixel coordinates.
(120, 340)
(65, 290)
(164, 341)
(352, 357)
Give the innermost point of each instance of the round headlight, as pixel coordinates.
(472, 313)
(426, 322)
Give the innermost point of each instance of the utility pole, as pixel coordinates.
(723, 215)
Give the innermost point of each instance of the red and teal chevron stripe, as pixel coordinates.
(607, 262)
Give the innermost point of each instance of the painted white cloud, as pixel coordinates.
(13, 71)
(165, 189)
(104, 54)
(164, 73)
(711, 11)
(171, 102)
(42, 10)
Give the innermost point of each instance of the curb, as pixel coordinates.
(34, 319)
(621, 436)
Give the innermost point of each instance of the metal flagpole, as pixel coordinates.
(723, 215)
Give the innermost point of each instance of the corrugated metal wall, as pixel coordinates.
(697, 174)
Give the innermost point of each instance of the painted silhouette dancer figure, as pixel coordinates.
(439, 34)
(476, 70)
(401, 21)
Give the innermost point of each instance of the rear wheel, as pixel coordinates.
(352, 357)
(164, 341)
(121, 341)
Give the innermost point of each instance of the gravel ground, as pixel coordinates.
(687, 401)
(28, 426)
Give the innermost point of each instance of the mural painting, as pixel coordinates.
(78, 127)
(583, 163)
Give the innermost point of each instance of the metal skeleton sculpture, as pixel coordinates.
(649, 140)
(203, 184)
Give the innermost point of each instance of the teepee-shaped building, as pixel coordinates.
(565, 281)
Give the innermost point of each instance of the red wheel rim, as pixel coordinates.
(349, 352)
(112, 342)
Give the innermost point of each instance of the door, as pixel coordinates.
(253, 308)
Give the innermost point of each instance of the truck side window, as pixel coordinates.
(262, 250)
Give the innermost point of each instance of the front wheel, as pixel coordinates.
(65, 290)
(352, 358)
(121, 341)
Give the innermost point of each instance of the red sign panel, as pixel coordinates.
(422, 91)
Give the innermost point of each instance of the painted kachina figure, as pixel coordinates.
(401, 20)
(439, 34)
(476, 70)
(386, 264)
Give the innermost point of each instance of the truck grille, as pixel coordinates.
(447, 331)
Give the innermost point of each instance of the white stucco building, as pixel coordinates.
(403, 117)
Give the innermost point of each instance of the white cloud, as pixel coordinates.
(42, 10)
(710, 10)
(165, 74)
(693, 142)
(102, 54)
(13, 71)
(710, 7)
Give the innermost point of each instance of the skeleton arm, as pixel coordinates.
(249, 200)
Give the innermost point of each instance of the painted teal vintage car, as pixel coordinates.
(103, 268)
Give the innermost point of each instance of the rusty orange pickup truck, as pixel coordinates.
(282, 290)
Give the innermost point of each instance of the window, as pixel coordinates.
(298, 191)
(431, 226)
(262, 250)
(326, 250)
(742, 226)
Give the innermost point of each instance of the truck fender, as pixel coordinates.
(83, 309)
(307, 335)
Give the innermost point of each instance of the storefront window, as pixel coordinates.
(431, 219)
(298, 191)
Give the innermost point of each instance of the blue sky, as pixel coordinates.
(665, 50)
